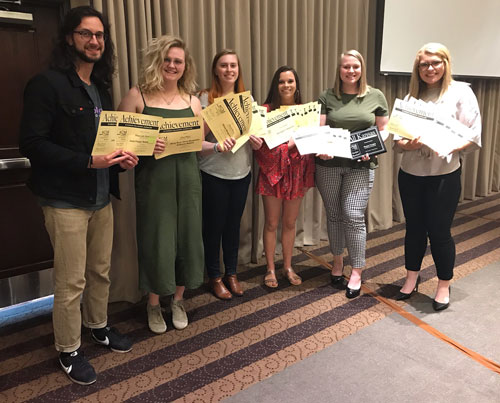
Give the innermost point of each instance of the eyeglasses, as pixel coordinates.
(87, 35)
(425, 66)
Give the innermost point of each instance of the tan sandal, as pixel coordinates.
(292, 277)
(270, 279)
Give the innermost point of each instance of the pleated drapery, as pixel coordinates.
(306, 34)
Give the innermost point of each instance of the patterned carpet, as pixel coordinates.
(230, 345)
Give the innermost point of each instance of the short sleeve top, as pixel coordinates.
(225, 165)
(352, 112)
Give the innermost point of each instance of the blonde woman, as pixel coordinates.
(428, 184)
(168, 190)
(345, 185)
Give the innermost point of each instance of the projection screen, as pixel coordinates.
(470, 30)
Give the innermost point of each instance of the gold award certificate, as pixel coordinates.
(409, 119)
(229, 116)
(257, 126)
(141, 132)
(220, 122)
(181, 135)
(107, 134)
(126, 131)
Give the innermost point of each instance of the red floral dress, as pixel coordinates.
(283, 173)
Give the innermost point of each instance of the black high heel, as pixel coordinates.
(402, 295)
(337, 280)
(351, 293)
(441, 306)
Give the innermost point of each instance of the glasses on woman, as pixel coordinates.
(425, 65)
(87, 35)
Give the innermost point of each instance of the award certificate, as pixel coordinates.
(181, 135)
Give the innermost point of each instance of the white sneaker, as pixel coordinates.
(155, 319)
(179, 316)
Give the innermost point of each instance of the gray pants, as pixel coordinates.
(345, 193)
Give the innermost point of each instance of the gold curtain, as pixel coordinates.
(306, 34)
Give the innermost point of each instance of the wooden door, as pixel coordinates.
(24, 243)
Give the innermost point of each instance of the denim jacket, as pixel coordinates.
(57, 135)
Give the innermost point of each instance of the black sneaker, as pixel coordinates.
(77, 367)
(110, 337)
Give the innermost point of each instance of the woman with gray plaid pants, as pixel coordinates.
(345, 185)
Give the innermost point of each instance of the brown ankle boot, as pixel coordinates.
(234, 285)
(219, 289)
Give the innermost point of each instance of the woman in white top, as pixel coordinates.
(430, 185)
(225, 180)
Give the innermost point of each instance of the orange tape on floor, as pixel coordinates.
(491, 365)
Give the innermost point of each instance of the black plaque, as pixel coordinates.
(366, 141)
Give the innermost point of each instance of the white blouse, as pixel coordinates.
(460, 103)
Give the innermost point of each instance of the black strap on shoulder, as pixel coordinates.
(143, 100)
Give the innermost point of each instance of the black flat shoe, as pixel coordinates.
(441, 306)
(400, 296)
(350, 293)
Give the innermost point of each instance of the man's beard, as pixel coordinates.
(85, 58)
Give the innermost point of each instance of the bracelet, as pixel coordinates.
(216, 150)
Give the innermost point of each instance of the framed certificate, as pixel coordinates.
(367, 141)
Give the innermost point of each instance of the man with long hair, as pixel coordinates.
(58, 128)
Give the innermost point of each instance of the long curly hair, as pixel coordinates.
(151, 78)
(64, 55)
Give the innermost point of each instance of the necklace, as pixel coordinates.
(171, 100)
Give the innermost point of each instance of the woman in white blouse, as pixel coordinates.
(430, 185)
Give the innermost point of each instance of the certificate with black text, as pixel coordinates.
(181, 135)
(280, 127)
(126, 131)
(229, 116)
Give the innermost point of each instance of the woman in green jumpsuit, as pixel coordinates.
(168, 190)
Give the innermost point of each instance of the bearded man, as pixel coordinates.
(58, 128)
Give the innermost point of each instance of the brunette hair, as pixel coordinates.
(273, 96)
(64, 55)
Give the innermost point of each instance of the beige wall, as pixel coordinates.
(309, 35)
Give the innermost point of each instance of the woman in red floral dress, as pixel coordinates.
(284, 178)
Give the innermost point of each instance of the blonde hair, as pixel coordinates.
(151, 77)
(362, 85)
(417, 85)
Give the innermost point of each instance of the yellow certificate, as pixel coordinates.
(181, 135)
(108, 139)
(126, 131)
(229, 116)
(258, 126)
